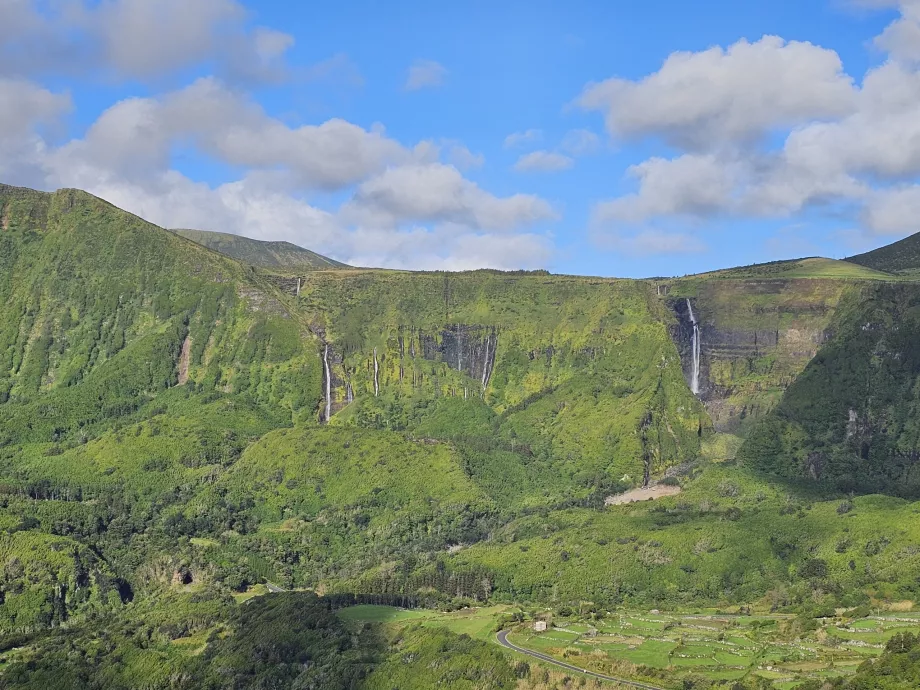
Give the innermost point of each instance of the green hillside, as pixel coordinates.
(901, 257)
(274, 255)
(180, 433)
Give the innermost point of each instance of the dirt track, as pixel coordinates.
(649, 493)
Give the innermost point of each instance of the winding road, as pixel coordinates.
(503, 641)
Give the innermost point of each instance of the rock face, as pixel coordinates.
(466, 348)
(756, 337)
(571, 370)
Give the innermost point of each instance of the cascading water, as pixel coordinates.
(328, 383)
(695, 347)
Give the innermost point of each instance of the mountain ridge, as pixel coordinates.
(261, 253)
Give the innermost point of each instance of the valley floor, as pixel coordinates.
(662, 649)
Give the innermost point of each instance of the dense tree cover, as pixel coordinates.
(203, 640)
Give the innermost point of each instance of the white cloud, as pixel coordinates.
(438, 193)
(425, 74)
(692, 185)
(520, 138)
(699, 99)
(580, 142)
(901, 39)
(24, 105)
(852, 150)
(893, 211)
(25, 109)
(444, 251)
(235, 130)
(138, 39)
(543, 161)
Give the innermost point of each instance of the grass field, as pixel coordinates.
(716, 646)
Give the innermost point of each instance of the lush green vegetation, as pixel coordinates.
(167, 461)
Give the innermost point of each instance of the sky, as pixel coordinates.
(603, 137)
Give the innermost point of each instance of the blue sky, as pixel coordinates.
(605, 138)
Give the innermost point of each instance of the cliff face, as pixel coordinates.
(579, 370)
(756, 337)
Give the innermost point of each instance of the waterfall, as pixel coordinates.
(328, 383)
(376, 374)
(695, 346)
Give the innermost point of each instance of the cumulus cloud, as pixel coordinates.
(443, 250)
(438, 193)
(138, 39)
(462, 158)
(25, 109)
(693, 185)
(901, 39)
(425, 74)
(893, 211)
(851, 149)
(699, 99)
(520, 138)
(543, 161)
(230, 127)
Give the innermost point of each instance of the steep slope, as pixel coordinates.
(578, 373)
(852, 419)
(94, 296)
(275, 255)
(106, 320)
(902, 257)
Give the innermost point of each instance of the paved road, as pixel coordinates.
(503, 641)
(274, 589)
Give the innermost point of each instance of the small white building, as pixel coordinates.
(539, 626)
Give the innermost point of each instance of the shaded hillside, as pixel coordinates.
(852, 418)
(901, 257)
(277, 255)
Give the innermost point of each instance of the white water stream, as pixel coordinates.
(695, 345)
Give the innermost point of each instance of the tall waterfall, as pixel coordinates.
(328, 383)
(376, 375)
(695, 346)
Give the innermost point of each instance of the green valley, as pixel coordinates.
(224, 465)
